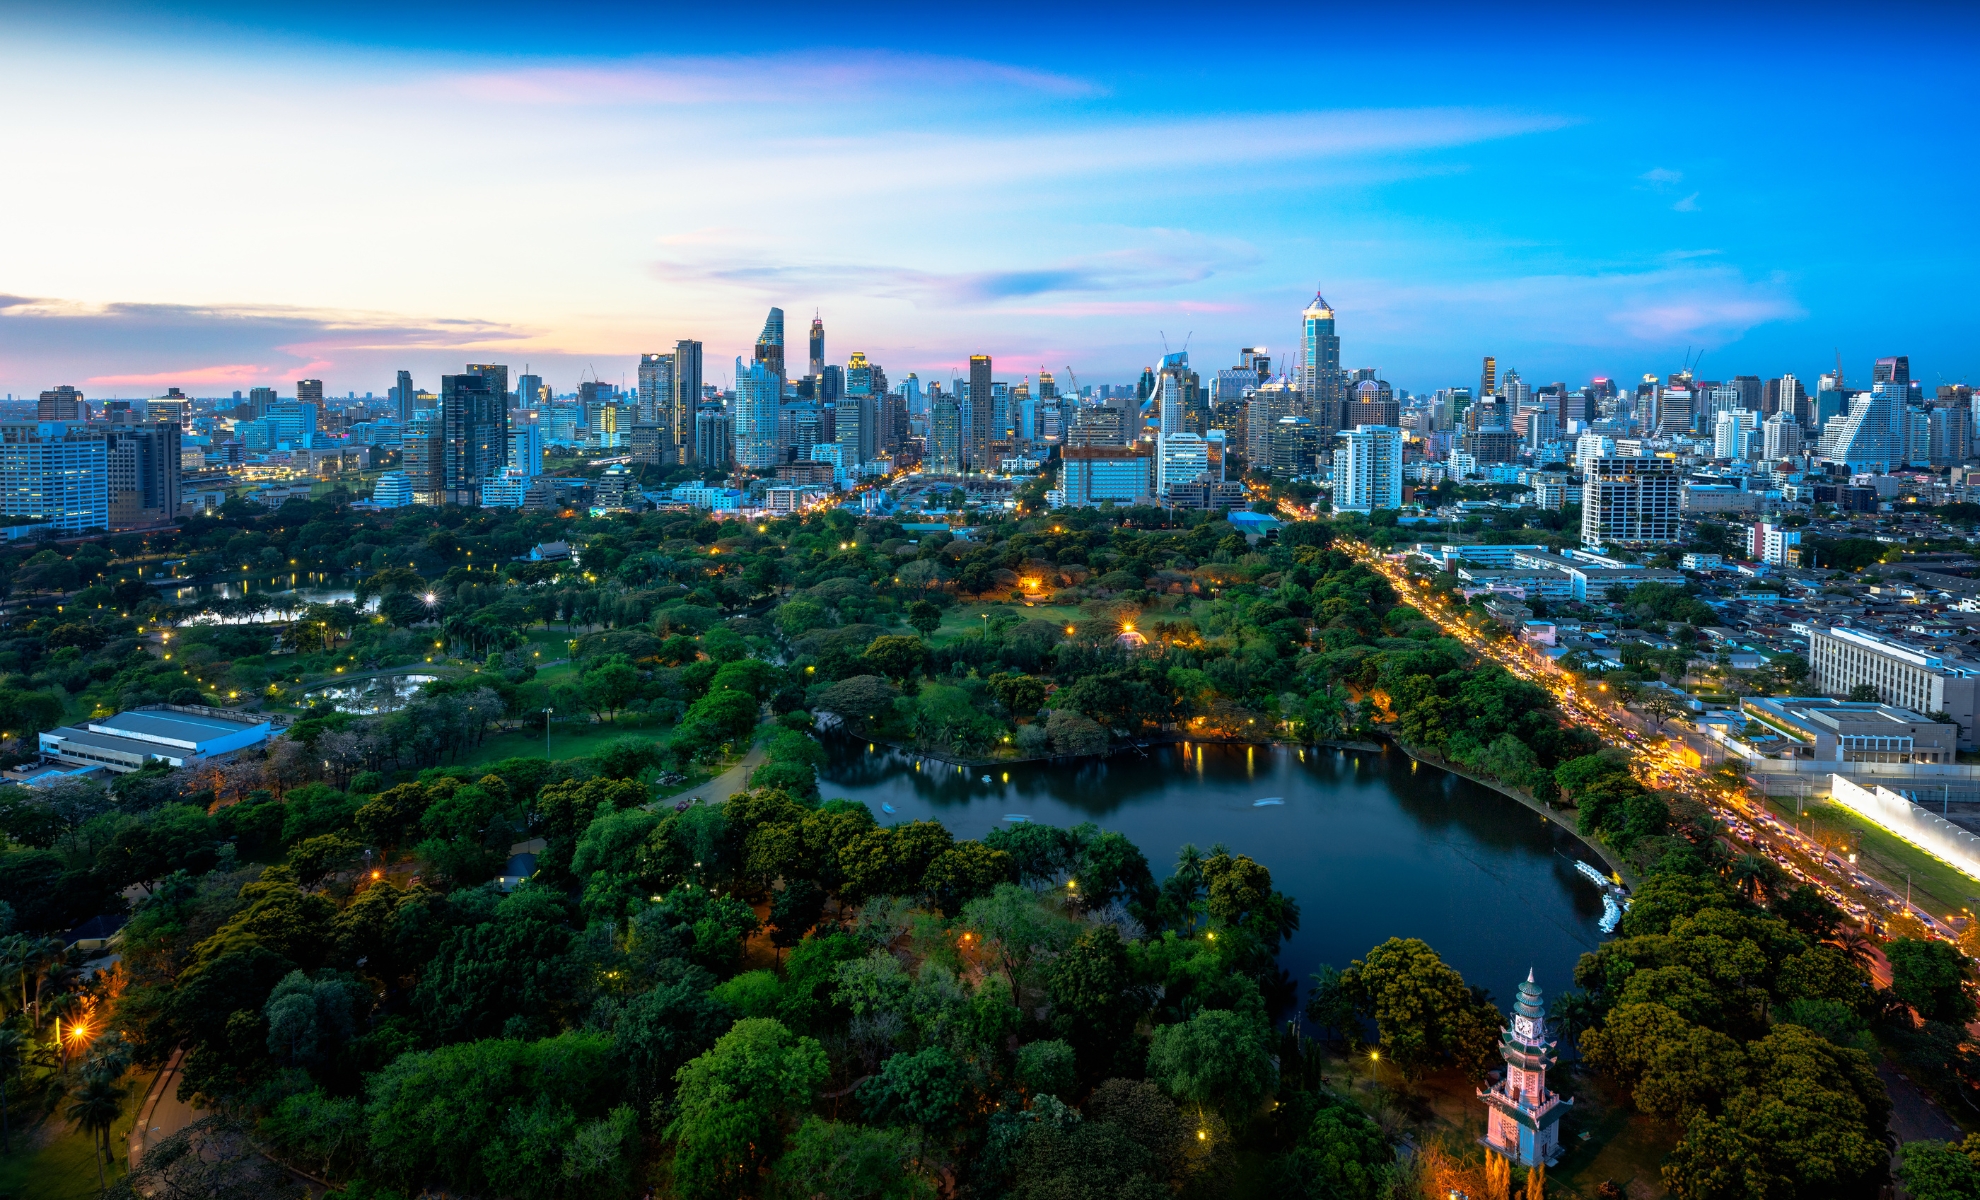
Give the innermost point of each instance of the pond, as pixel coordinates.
(1371, 844)
(368, 697)
(292, 593)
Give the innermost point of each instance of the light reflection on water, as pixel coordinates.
(1369, 844)
(372, 696)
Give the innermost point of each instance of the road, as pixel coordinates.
(1656, 761)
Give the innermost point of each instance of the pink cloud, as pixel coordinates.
(230, 373)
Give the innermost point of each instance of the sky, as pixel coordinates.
(224, 196)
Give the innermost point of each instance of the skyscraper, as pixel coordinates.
(656, 391)
(1629, 500)
(403, 394)
(60, 475)
(1320, 362)
(474, 431)
(259, 400)
(758, 390)
(309, 391)
(63, 403)
(976, 438)
(679, 412)
(1896, 369)
(1488, 378)
(770, 352)
(817, 346)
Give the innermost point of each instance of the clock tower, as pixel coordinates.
(1523, 1118)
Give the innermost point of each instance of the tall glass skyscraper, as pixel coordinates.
(758, 389)
(817, 345)
(770, 347)
(1320, 362)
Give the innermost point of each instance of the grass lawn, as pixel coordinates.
(52, 1159)
(567, 740)
(963, 617)
(1884, 856)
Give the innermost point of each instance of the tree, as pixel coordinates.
(608, 687)
(1931, 977)
(1659, 707)
(1938, 1171)
(923, 616)
(311, 1021)
(852, 1162)
(1218, 1057)
(1426, 1014)
(963, 872)
(732, 1102)
(661, 1030)
(1016, 929)
(1021, 695)
(897, 657)
(1094, 1001)
(794, 911)
(925, 1089)
(859, 699)
(1864, 693)
(1341, 1156)
(13, 1045)
(95, 1107)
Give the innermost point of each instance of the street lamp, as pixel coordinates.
(546, 731)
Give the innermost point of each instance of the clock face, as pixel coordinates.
(1523, 1028)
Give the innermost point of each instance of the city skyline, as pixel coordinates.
(305, 212)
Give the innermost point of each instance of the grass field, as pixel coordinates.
(567, 740)
(963, 617)
(52, 1159)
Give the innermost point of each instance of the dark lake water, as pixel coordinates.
(1372, 845)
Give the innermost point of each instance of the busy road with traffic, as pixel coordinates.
(1660, 761)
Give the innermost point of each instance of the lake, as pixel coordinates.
(1371, 844)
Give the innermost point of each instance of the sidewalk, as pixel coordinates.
(161, 1113)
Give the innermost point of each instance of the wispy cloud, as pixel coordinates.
(1688, 204)
(1178, 260)
(755, 79)
(159, 345)
(1661, 175)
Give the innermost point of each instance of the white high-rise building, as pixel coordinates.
(1368, 469)
(1867, 439)
(526, 445)
(58, 471)
(1182, 458)
(1782, 437)
(1733, 432)
(1591, 446)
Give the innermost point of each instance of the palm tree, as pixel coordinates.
(1856, 947)
(95, 1108)
(1754, 876)
(12, 1048)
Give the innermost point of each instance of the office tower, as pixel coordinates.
(64, 403)
(142, 460)
(1896, 369)
(1831, 400)
(714, 438)
(1369, 468)
(58, 474)
(1320, 362)
(474, 434)
(917, 400)
(1094, 475)
(893, 422)
(498, 384)
(1488, 379)
(856, 428)
(1371, 402)
(1674, 410)
(1181, 457)
(1255, 360)
(1781, 437)
(529, 391)
(309, 391)
(759, 389)
(977, 438)
(1870, 438)
(1951, 434)
(656, 389)
(1792, 400)
(1296, 444)
(643, 443)
(858, 376)
(1732, 433)
(402, 397)
(945, 435)
(770, 352)
(1167, 394)
(680, 410)
(1591, 446)
(259, 400)
(1542, 428)
(1915, 430)
(526, 445)
(1751, 391)
(1629, 501)
(817, 346)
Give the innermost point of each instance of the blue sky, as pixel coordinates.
(223, 198)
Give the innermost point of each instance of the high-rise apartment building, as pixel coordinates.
(770, 351)
(1871, 436)
(402, 398)
(143, 464)
(260, 400)
(759, 388)
(63, 403)
(1781, 437)
(1488, 378)
(1320, 362)
(423, 457)
(309, 391)
(526, 445)
(1629, 501)
(474, 429)
(1368, 466)
(982, 413)
(945, 435)
(714, 438)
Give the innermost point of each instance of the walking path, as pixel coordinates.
(161, 1113)
(729, 782)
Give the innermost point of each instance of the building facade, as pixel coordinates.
(1523, 1117)
(1842, 659)
(1094, 475)
(1368, 469)
(1631, 501)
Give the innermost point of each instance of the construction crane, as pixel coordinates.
(1072, 379)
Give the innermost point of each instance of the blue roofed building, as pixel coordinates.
(170, 734)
